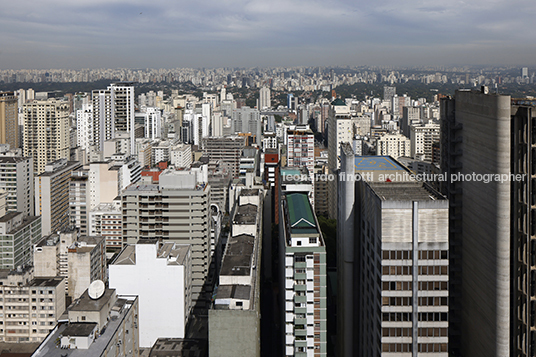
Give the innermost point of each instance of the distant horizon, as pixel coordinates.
(375, 67)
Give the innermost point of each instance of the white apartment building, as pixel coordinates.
(181, 156)
(422, 137)
(160, 274)
(153, 123)
(395, 145)
(303, 271)
(105, 220)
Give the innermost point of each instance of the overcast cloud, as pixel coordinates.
(218, 33)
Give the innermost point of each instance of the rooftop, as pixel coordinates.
(50, 346)
(9, 216)
(240, 292)
(45, 282)
(300, 214)
(246, 214)
(405, 191)
(178, 347)
(79, 329)
(376, 163)
(85, 303)
(237, 258)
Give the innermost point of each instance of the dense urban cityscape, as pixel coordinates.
(365, 211)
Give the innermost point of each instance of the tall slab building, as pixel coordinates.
(477, 138)
(46, 132)
(392, 261)
(9, 123)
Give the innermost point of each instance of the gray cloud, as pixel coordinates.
(168, 33)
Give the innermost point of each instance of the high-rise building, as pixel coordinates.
(340, 129)
(476, 134)
(395, 145)
(153, 123)
(176, 209)
(16, 177)
(79, 200)
(247, 120)
(85, 129)
(123, 110)
(410, 116)
(393, 267)
(103, 124)
(523, 229)
(18, 233)
(422, 138)
(113, 111)
(227, 150)
(46, 132)
(9, 122)
(264, 98)
(52, 195)
(303, 273)
(389, 93)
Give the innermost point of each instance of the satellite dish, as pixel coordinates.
(96, 289)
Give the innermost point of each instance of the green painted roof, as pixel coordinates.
(338, 101)
(300, 213)
(290, 171)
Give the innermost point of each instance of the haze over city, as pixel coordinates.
(168, 34)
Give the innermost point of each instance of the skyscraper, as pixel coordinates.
(392, 261)
(113, 111)
(476, 138)
(102, 116)
(46, 132)
(175, 209)
(303, 271)
(9, 126)
(340, 129)
(264, 98)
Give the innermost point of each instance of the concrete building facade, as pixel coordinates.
(30, 306)
(18, 233)
(393, 261)
(476, 138)
(52, 195)
(16, 177)
(176, 209)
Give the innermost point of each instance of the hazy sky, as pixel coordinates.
(218, 33)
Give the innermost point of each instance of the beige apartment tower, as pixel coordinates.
(9, 126)
(46, 132)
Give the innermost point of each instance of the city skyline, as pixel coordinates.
(165, 34)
